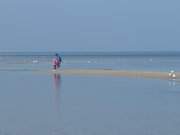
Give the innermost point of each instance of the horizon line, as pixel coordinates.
(91, 53)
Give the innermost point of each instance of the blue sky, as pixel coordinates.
(89, 25)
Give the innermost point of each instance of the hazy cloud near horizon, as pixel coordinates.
(89, 25)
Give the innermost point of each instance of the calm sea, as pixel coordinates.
(158, 61)
(43, 104)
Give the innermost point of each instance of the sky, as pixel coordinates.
(89, 25)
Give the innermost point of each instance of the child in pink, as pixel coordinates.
(54, 63)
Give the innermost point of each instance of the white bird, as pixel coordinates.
(174, 75)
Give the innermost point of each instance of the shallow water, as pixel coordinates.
(42, 104)
(137, 62)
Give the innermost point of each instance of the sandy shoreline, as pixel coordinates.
(117, 73)
(100, 72)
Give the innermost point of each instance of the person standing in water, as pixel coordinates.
(59, 60)
(56, 62)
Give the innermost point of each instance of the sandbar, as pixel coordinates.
(117, 73)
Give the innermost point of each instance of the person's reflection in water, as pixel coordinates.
(57, 81)
(57, 88)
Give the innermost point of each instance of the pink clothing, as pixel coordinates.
(54, 61)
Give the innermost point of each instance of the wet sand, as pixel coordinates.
(102, 72)
(117, 73)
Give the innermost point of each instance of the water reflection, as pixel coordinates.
(57, 81)
(172, 83)
(57, 91)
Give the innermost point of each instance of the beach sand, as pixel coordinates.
(117, 73)
(103, 72)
